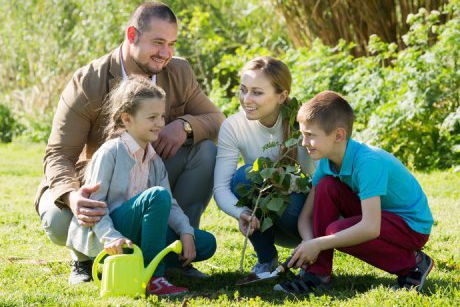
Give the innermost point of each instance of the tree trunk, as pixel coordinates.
(351, 20)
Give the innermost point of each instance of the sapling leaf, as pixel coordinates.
(276, 177)
(284, 206)
(256, 166)
(291, 142)
(244, 202)
(266, 223)
(270, 145)
(286, 182)
(255, 178)
(303, 183)
(267, 173)
(275, 204)
(243, 189)
(263, 202)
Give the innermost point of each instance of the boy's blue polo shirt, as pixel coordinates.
(370, 171)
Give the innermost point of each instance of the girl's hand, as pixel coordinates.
(306, 253)
(188, 249)
(245, 222)
(115, 247)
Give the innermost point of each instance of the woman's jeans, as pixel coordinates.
(284, 230)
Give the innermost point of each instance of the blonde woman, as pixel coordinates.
(265, 87)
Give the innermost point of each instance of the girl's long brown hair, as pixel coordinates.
(126, 97)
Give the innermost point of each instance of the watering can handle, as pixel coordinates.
(99, 258)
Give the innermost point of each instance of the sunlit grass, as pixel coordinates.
(34, 271)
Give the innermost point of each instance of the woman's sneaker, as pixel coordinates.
(160, 286)
(266, 267)
(417, 276)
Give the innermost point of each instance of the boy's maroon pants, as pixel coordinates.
(393, 251)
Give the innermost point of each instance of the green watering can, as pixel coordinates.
(124, 274)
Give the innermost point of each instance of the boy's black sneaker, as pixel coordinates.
(80, 272)
(304, 284)
(417, 276)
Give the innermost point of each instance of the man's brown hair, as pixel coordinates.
(144, 13)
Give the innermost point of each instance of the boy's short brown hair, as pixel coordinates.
(329, 111)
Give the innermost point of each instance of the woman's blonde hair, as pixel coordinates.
(276, 71)
(126, 97)
(280, 77)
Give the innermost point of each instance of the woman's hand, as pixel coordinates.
(188, 249)
(115, 247)
(246, 221)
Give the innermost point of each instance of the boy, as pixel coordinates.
(386, 219)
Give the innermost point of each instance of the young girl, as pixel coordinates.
(265, 87)
(134, 184)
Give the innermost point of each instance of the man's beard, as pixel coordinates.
(146, 69)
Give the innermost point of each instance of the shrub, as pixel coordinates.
(406, 101)
(8, 125)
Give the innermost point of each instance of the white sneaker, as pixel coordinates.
(266, 267)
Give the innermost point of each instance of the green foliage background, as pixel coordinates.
(406, 101)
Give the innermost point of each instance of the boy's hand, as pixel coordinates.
(188, 249)
(305, 253)
(246, 221)
(115, 247)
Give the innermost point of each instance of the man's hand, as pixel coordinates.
(115, 247)
(170, 139)
(246, 220)
(188, 249)
(305, 253)
(87, 211)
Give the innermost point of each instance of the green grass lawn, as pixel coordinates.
(33, 271)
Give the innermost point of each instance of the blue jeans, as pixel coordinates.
(284, 230)
(144, 220)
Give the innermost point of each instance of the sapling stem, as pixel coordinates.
(256, 206)
(246, 236)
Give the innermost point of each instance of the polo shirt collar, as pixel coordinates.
(347, 163)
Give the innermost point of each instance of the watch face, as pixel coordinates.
(187, 127)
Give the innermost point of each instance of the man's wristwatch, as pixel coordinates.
(187, 127)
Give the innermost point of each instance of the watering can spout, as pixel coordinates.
(176, 247)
